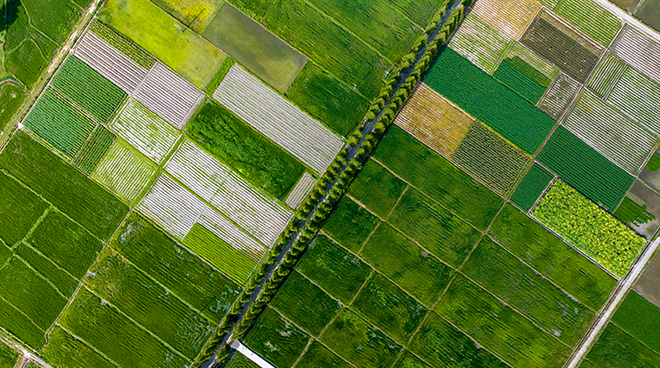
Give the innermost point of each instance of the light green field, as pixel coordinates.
(196, 14)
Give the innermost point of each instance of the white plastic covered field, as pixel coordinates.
(232, 235)
(300, 191)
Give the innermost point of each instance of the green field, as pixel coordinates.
(62, 185)
(66, 351)
(615, 349)
(238, 360)
(95, 147)
(12, 97)
(19, 209)
(585, 169)
(553, 258)
(420, 12)
(606, 74)
(333, 268)
(264, 164)
(196, 14)
(408, 360)
(8, 356)
(21, 326)
(639, 318)
(318, 355)
(434, 228)
(61, 279)
(522, 78)
(305, 304)
(531, 187)
(412, 268)
(122, 44)
(327, 99)
(350, 224)
(377, 188)
(438, 178)
(648, 13)
(489, 101)
(590, 18)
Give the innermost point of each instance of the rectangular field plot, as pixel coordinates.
(491, 159)
(606, 74)
(585, 169)
(481, 43)
(300, 191)
(420, 12)
(8, 356)
(231, 234)
(615, 348)
(278, 119)
(168, 95)
(122, 44)
(145, 130)
(62, 125)
(591, 19)
(377, 188)
(110, 63)
(433, 120)
(21, 326)
(590, 229)
(350, 224)
(318, 355)
(252, 45)
(559, 97)
(64, 350)
(616, 137)
(531, 187)
(499, 328)
(61, 279)
(639, 51)
(532, 59)
(638, 97)
(640, 210)
(124, 172)
(640, 318)
(20, 208)
(95, 147)
(509, 16)
(522, 78)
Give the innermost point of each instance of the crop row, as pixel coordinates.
(481, 43)
(532, 186)
(91, 153)
(232, 235)
(522, 78)
(123, 44)
(510, 16)
(559, 97)
(20, 209)
(638, 97)
(300, 191)
(590, 18)
(639, 51)
(606, 74)
(531, 58)
(278, 119)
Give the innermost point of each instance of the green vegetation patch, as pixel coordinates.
(239, 360)
(411, 267)
(615, 349)
(256, 9)
(499, 328)
(12, 97)
(264, 164)
(55, 18)
(329, 100)
(305, 304)
(276, 339)
(62, 125)
(531, 187)
(359, 342)
(318, 355)
(606, 74)
(489, 101)
(196, 14)
(648, 13)
(434, 228)
(522, 78)
(439, 342)
(350, 224)
(630, 211)
(21, 326)
(19, 209)
(528, 292)
(219, 254)
(553, 258)
(219, 76)
(63, 281)
(333, 268)
(8, 356)
(591, 18)
(639, 318)
(377, 188)
(438, 178)
(654, 162)
(419, 12)
(88, 89)
(589, 228)
(389, 308)
(409, 360)
(94, 149)
(62, 185)
(122, 44)
(585, 169)
(66, 351)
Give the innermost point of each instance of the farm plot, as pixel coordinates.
(615, 348)
(253, 46)
(231, 234)
(532, 59)
(639, 51)
(124, 172)
(318, 355)
(522, 78)
(585, 169)
(487, 100)
(509, 16)
(420, 12)
(110, 63)
(481, 43)
(497, 327)
(562, 45)
(491, 159)
(62, 125)
(144, 130)
(172, 206)
(20, 208)
(433, 120)
(589, 228)
(559, 97)
(626, 97)
(531, 187)
(195, 14)
(18, 324)
(350, 224)
(122, 44)
(61, 279)
(377, 188)
(8, 356)
(591, 18)
(300, 191)
(95, 147)
(616, 137)
(168, 95)
(647, 13)
(278, 119)
(647, 284)
(640, 318)
(627, 5)
(66, 351)
(606, 75)
(651, 173)
(640, 210)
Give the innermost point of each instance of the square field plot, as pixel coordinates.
(350, 224)
(559, 97)
(640, 318)
(591, 18)
(625, 96)
(94, 149)
(531, 187)
(377, 188)
(509, 16)
(481, 43)
(66, 350)
(20, 208)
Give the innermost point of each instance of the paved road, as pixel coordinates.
(624, 285)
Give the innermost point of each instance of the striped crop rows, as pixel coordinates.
(480, 43)
(638, 97)
(232, 235)
(531, 58)
(591, 19)
(560, 95)
(278, 119)
(300, 191)
(94, 149)
(612, 134)
(168, 95)
(606, 74)
(639, 51)
(510, 16)
(122, 44)
(145, 130)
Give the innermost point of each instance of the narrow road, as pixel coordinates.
(617, 296)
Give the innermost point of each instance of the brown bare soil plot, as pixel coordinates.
(649, 283)
(510, 16)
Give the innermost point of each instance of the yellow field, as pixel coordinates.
(509, 16)
(437, 123)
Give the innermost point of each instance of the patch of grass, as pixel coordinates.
(439, 342)
(654, 162)
(377, 188)
(639, 318)
(276, 339)
(5, 253)
(19, 209)
(256, 9)
(122, 44)
(55, 18)
(318, 355)
(26, 62)
(630, 211)
(408, 360)
(62, 185)
(333, 268)
(419, 12)
(65, 351)
(350, 224)
(359, 342)
(305, 304)
(12, 97)
(437, 178)
(648, 13)
(531, 187)
(239, 360)
(8, 356)
(400, 259)
(264, 164)
(435, 228)
(64, 282)
(522, 78)
(327, 99)
(615, 349)
(553, 258)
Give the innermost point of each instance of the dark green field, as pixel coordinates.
(409, 360)
(639, 318)
(8, 356)
(522, 78)
(531, 187)
(615, 349)
(318, 355)
(12, 97)
(350, 224)
(66, 351)
(64, 282)
(19, 208)
(377, 188)
(648, 13)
